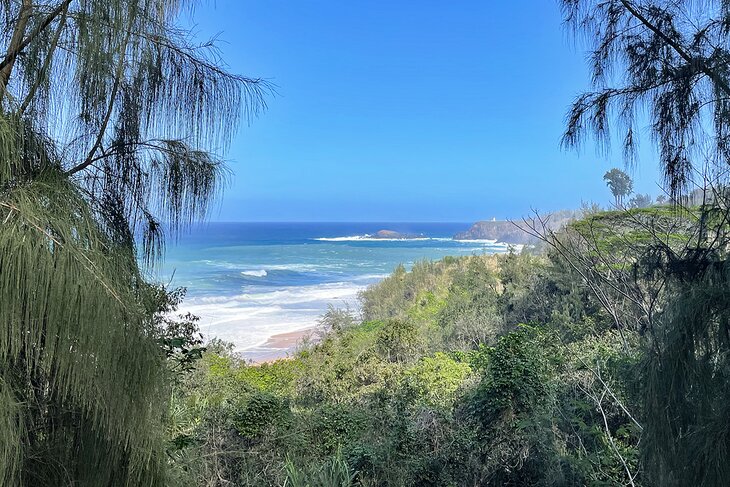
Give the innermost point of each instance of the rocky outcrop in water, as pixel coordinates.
(392, 234)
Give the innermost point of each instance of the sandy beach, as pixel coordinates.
(282, 345)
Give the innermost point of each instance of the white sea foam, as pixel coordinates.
(259, 273)
(477, 240)
(248, 320)
(296, 267)
(494, 244)
(306, 267)
(344, 239)
(369, 238)
(291, 295)
(371, 277)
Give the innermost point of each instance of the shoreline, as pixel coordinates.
(280, 346)
(268, 299)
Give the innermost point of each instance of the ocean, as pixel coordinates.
(250, 281)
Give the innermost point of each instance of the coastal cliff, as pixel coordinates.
(501, 231)
(506, 231)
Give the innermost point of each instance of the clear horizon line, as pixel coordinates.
(198, 222)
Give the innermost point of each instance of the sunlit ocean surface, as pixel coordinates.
(250, 281)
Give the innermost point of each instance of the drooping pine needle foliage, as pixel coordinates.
(110, 122)
(661, 58)
(670, 58)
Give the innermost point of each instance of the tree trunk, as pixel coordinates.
(14, 46)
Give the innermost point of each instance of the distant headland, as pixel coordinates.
(509, 232)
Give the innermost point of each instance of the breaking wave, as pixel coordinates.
(260, 273)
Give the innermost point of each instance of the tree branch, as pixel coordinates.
(46, 61)
(6, 67)
(16, 48)
(699, 63)
(110, 109)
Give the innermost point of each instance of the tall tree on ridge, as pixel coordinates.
(619, 183)
(110, 119)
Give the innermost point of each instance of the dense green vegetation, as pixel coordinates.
(597, 359)
(602, 359)
(481, 370)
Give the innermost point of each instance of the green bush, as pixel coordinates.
(439, 386)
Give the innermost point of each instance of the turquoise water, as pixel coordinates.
(250, 281)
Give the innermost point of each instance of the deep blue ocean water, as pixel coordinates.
(250, 281)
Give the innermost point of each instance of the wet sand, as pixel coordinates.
(281, 346)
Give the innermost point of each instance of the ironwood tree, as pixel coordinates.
(112, 120)
(667, 63)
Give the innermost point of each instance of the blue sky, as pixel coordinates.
(407, 111)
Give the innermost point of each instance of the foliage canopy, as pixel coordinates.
(110, 121)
